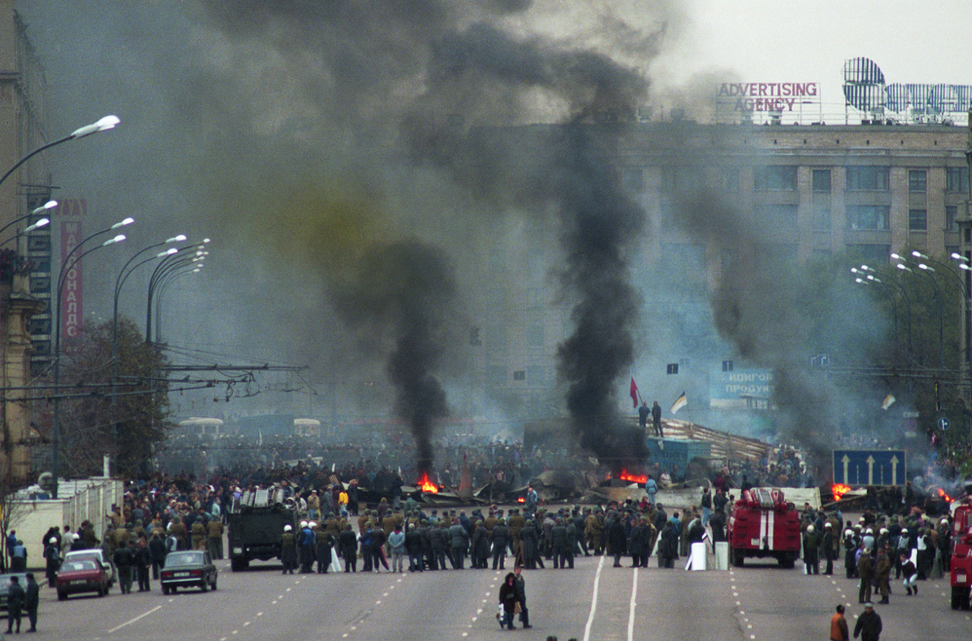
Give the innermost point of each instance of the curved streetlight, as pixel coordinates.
(66, 267)
(163, 287)
(119, 283)
(50, 204)
(179, 259)
(869, 275)
(927, 271)
(106, 123)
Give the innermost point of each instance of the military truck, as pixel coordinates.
(256, 521)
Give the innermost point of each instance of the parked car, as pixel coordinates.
(98, 555)
(188, 569)
(5, 586)
(81, 575)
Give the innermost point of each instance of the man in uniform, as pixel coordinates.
(124, 559)
(348, 543)
(459, 539)
(288, 550)
(15, 602)
(215, 538)
(31, 601)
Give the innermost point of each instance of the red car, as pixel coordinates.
(81, 575)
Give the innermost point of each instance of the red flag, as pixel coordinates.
(634, 392)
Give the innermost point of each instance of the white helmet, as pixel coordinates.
(287, 528)
(303, 524)
(809, 528)
(52, 540)
(312, 524)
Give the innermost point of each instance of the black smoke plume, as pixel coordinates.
(400, 303)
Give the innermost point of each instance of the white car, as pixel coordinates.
(98, 555)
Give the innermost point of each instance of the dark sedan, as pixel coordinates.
(188, 570)
(81, 575)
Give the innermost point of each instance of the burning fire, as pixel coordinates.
(521, 500)
(426, 484)
(839, 490)
(944, 496)
(632, 478)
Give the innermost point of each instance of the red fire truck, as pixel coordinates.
(962, 556)
(763, 524)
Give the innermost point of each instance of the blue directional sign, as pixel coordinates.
(869, 467)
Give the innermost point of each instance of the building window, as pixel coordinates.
(776, 217)
(957, 179)
(917, 179)
(868, 217)
(917, 219)
(680, 179)
(821, 217)
(868, 178)
(730, 179)
(775, 178)
(519, 375)
(951, 213)
(821, 180)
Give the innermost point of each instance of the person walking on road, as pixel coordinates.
(838, 626)
(865, 570)
(868, 624)
(521, 598)
(31, 601)
(15, 602)
(507, 598)
(124, 559)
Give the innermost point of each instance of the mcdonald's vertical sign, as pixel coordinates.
(72, 212)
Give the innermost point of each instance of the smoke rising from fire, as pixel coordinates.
(404, 294)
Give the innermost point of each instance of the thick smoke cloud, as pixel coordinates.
(315, 136)
(404, 295)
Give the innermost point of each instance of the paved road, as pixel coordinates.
(595, 601)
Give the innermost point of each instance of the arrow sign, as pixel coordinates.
(870, 467)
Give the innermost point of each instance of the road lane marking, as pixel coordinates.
(141, 616)
(597, 585)
(631, 613)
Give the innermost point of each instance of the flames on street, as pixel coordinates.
(426, 484)
(945, 497)
(633, 478)
(839, 490)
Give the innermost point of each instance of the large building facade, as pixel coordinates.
(22, 130)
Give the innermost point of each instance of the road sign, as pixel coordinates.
(943, 423)
(869, 467)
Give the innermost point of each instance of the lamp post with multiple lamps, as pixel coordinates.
(166, 267)
(68, 264)
(126, 271)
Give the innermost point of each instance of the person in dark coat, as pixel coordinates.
(500, 537)
(348, 544)
(617, 541)
(288, 550)
(521, 597)
(636, 544)
(868, 624)
(124, 559)
(668, 546)
(52, 560)
(32, 601)
(413, 545)
(15, 603)
(143, 561)
(507, 598)
(325, 545)
(480, 546)
(157, 548)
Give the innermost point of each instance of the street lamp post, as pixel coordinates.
(65, 269)
(50, 204)
(928, 271)
(119, 283)
(185, 270)
(171, 263)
